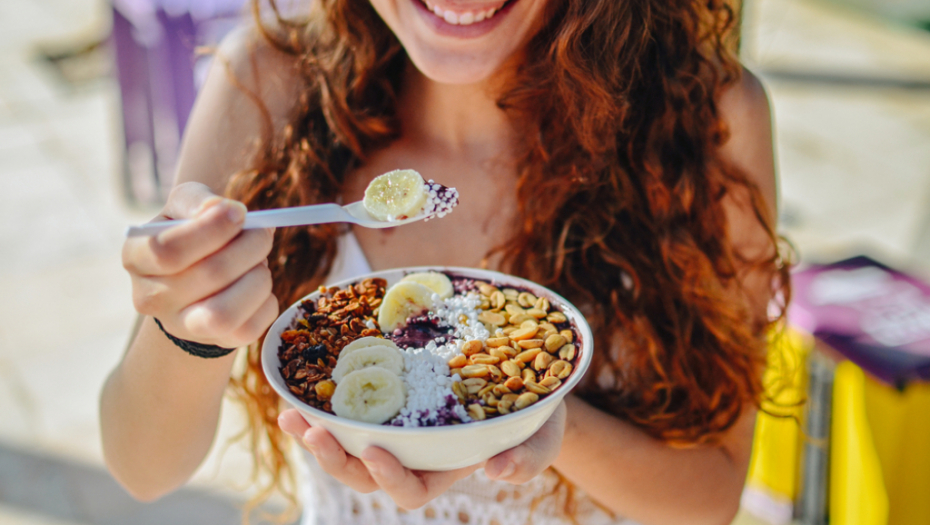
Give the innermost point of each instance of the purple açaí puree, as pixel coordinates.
(420, 330)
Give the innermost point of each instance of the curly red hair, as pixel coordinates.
(619, 195)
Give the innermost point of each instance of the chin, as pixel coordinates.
(455, 70)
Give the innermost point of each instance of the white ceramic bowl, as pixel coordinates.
(445, 447)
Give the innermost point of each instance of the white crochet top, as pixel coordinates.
(475, 500)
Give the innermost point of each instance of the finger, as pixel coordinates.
(333, 459)
(293, 423)
(179, 247)
(409, 489)
(221, 314)
(212, 274)
(255, 326)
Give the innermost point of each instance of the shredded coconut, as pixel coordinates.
(430, 400)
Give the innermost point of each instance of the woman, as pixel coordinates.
(612, 150)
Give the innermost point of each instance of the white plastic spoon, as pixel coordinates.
(300, 215)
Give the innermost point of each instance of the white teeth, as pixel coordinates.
(463, 19)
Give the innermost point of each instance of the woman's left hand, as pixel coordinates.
(410, 489)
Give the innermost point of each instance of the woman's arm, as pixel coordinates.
(642, 478)
(206, 281)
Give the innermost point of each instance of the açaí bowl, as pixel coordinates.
(442, 447)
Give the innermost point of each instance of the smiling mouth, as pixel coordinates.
(463, 18)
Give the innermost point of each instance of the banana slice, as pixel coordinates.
(365, 342)
(373, 395)
(384, 357)
(435, 281)
(396, 195)
(402, 301)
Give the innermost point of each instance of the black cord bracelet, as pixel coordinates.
(196, 349)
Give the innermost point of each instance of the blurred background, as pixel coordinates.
(93, 100)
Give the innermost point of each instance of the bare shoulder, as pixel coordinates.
(745, 109)
(251, 90)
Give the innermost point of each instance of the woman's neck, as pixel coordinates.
(459, 120)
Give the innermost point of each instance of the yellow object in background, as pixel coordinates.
(772, 482)
(879, 444)
(857, 490)
(900, 424)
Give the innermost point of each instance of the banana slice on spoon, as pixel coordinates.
(401, 194)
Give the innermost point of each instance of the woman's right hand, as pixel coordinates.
(207, 280)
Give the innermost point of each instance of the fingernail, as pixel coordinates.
(237, 211)
(374, 468)
(206, 205)
(508, 471)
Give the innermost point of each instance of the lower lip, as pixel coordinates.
(470, 31)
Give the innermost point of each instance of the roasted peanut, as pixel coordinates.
(486, 289)
(523, 333)
(476, 411)
(500, 390)
(542, 304)
(537, 388)
(542, 361)
(498, 353)
(486, 390)
(520, 318)
(554, 342)
(484, 359)
(526, 299)
(475, 371)
(472, 347)
(458, 361)
(560, 369)
(510, 368)
(537, 313)
(497, 341)
(497, 300)
(551, 382)
(528, 344)
(492, 318)
(513, 384)
(556, 318)
(459, 390)
(526, 399)
(474, 384)
(567, 352)
(528, 355)
(568, 335)
(513, 310)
